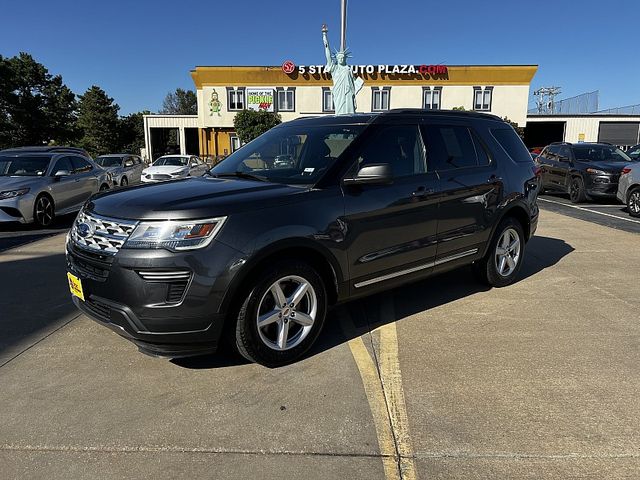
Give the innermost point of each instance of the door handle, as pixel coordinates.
(422, 192)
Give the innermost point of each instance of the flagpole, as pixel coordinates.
(343, 24)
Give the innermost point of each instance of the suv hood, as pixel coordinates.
(192, 198)
(611, 167)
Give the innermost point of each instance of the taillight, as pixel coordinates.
(625, 170)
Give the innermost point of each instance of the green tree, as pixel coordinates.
(98, 121)
(519, 130)
(131, 137)
(35, 107)
(250, 124)
(180, 102)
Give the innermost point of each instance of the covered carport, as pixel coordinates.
(171, 134)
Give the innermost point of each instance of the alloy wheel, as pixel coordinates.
(574, 189)
(507, 252)
(44, 211)
(287, 312)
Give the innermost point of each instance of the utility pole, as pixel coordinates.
(343, 25)
(546, 102)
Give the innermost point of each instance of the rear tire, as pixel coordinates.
(104, 187)
(577, 193)
(285, 332)
(44, 211)
(633, 202)
(502, 263)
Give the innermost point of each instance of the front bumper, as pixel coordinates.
(602, 185)
(17, 209)
(144, 296)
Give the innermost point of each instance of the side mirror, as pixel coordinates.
(194, 164)
(128, 163)
(377, 174)
(61, 173)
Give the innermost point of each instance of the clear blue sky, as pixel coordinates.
(138, 50)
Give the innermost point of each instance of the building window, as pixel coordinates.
(380, 99)
(327, 100)
(286, 100)
(431, 98)
(235, 143)
(482, 98)
(236, 99)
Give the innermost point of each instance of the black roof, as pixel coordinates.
(365, 118)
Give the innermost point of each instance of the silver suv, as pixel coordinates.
(39, 183)
(629, 188)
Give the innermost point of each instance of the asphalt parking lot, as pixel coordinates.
(441, 379)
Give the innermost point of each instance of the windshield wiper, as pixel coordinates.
(244, 175)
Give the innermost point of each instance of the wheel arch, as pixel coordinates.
(517, 211)
(296, 248)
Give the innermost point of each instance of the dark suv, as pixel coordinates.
(582, 170)
(314, 212)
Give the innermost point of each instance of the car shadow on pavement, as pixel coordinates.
(368, 314)
(16, 234)
(34, 299)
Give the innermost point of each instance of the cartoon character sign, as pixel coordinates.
(215, 105)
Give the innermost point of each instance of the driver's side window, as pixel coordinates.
(63, 164)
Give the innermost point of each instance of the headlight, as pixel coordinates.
(595, 171)
(175, 235)
(13, 193)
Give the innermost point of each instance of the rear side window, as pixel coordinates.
(450, 147)
(512, 144)
(80, 165)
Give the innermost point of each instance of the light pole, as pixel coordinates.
(343, 26)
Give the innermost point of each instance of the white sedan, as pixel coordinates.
(173, 167)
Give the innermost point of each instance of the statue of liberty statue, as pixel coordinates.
(345, 86)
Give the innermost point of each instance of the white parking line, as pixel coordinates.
(589, 210)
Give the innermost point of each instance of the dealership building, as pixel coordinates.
(304, 90)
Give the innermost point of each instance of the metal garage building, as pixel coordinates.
(620, 130)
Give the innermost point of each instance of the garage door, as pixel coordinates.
(619, 133)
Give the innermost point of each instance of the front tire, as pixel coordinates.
(44, 211)
(577, 193)
(633, 202)
(282, 315)
(124, 182)
(502, 263)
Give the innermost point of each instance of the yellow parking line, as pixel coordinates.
(384, 392)
(378, 407)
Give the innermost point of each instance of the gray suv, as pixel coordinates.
(125, 169)
(38, 184)
(629, 188)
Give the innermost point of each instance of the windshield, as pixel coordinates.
(634, 152)
(600, 153)
(23, 166)
(109, 161)
(170, 161)
(291, 155)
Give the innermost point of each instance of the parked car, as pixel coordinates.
(125, 169)
(48, 149)
(173, 167)
(260, 251)
(634, 152)
(583, 170)
(37, 184)
(629, 188)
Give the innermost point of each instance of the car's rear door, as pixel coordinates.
(391, 229)
(472, 187)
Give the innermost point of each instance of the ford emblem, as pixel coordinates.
(84, 229)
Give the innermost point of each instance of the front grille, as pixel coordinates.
(101, 234)
(161, 176)
(99, 309)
